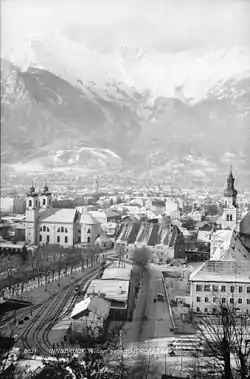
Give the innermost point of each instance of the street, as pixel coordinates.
(151, 320)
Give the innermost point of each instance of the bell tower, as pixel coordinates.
(229, 216)
(32, 213)
(45, 198)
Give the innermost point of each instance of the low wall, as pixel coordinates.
(175, 328)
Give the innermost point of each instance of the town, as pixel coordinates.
(127, 274)
(125, 189)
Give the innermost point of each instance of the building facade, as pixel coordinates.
(65, 227)
(220, 282)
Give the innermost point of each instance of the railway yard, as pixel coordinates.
(31, 326)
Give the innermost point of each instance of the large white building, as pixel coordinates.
(64, 227)
(220, 282)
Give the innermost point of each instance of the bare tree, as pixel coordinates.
(141, 256)
(145, 366)
(225, 338)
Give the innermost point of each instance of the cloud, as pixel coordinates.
(154, 24)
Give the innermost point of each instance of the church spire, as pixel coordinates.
(230, 190)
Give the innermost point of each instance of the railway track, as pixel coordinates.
(35, 337)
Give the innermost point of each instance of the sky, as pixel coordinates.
(106, 25)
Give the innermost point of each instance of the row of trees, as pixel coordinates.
(46, 260)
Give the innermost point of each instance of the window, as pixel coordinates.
(223, 300)
(248, 301)
(79, 230)
(88, 240)
(66, 239)
(232, 289)
(44, 201)
(198, 287)
(58, 230)
(214, 310)
(88, 231)
(240, 289)
(214, 299)
(198, 299)
(44, 228)
(223, 288)
(215, 288)
(248, 289)
(198, 309)
(58, 239)
(47, 238)
(227, 217)
(41, 229)
(40, 237)
(30, 203)
(206, 310)
(240, 301)
(47, 229)
(62, 229)
(231, 301)
(207, 287)
(206, 299)
(231, 218)
(66, 230)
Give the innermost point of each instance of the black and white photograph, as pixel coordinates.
(125, 189)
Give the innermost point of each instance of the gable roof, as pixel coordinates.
(95, 305)
(56, 215)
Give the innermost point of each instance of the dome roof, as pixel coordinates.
(245, 224)
(88, 219)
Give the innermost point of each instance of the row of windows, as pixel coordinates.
(58, 239)
(214, 310)
(46, 229)
(215, 288)
(43, 202)
(223, 300)
(229, 218)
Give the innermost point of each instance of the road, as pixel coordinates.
(157, 323)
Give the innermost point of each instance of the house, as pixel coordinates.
(103, 241)
(89, 318)
(115, 291)
(224, 282)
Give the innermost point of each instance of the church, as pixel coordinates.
(64, 227)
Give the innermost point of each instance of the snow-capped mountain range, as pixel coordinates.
(64, 104)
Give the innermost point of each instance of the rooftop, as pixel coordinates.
(88, 219)
(222, 271)
(119, 273)
(56, 215)
(111, 289)
(95, 305)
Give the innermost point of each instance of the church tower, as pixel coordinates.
(229, 216)
(32, 213)
(45, 198)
